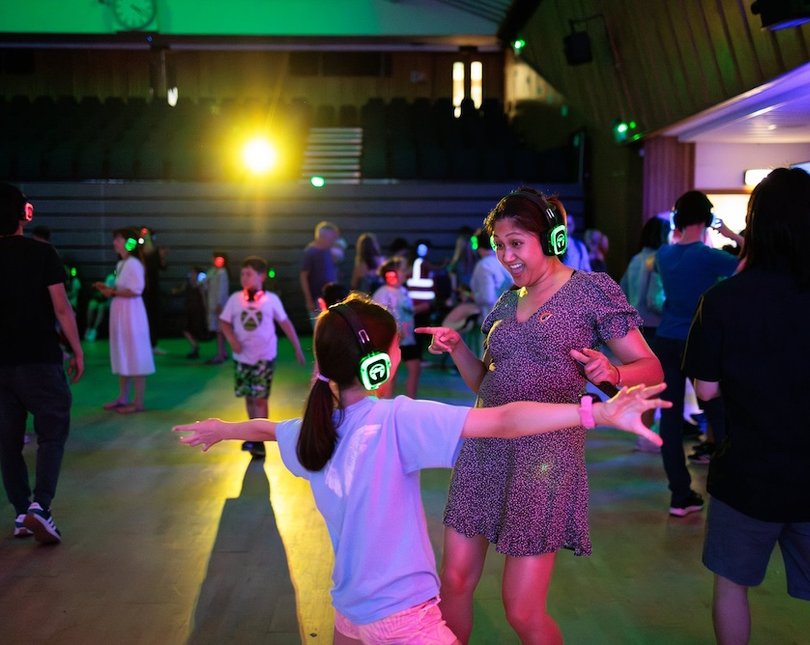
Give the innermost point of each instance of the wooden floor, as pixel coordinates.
(163, 544)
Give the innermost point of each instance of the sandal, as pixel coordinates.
(114, 405)
(128, 409)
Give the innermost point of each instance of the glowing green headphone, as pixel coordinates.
(375, 366)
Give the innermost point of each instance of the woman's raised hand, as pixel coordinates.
(444, 339)
(624, 410)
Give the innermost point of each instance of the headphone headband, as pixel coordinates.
(554, 239)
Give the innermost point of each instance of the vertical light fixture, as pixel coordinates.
(477, 82)
(458, 87)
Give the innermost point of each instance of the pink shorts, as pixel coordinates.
(419, 625)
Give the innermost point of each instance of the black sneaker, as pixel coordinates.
(255, 448)
(692, 503)
(40, 523)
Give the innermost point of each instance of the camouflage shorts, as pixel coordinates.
(254, 380)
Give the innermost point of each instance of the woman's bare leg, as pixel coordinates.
(462, 564)
(525, 587)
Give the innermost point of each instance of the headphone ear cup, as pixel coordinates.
(555, 239)
(375, 369)
(28, 211)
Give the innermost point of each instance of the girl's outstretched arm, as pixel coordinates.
(523, 418)
(207, 433)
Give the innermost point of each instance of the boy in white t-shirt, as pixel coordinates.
(248, 322)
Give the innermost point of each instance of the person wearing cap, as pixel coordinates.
(32, 376)
(687, 268)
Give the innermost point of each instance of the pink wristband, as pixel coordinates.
(586, 412)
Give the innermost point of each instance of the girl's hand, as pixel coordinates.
(201, 433)
(624, 410)
(299, 356)
(596, 366)
(444, 339)
(103, 289)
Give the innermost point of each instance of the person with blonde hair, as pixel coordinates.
(367, 261)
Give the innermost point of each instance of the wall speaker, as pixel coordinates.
(577, 48)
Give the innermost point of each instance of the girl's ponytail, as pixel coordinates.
(318, 438)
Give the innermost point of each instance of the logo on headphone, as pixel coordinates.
(374, 370)
(558, 239)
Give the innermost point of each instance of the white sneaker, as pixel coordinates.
(20, 529)
(40, 523)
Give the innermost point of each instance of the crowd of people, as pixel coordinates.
(552, 322)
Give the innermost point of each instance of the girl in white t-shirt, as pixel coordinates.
(362, 456)
(394, 297)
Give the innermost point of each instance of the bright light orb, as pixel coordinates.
(259, 155)
(317, 182)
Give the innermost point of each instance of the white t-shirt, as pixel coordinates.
(370, 497)
(254, 325)
(399, 304)
(489, 280)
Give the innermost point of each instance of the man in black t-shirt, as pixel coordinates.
(32, 376)
(749, 344)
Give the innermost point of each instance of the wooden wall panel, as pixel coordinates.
(239, 73)
(674, 59)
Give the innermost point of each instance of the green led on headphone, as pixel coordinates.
(130, 244)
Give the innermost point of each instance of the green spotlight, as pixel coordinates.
(624, 130)
(518, 45)
(474, 242)
(271, 273)
(317, 182)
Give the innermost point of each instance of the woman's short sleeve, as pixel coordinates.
(132, 276)
(613, 316)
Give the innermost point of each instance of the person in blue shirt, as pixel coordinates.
(686, 268)
(362, 457)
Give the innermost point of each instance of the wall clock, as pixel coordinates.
(134, 14)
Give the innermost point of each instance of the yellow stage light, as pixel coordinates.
(259, 155)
